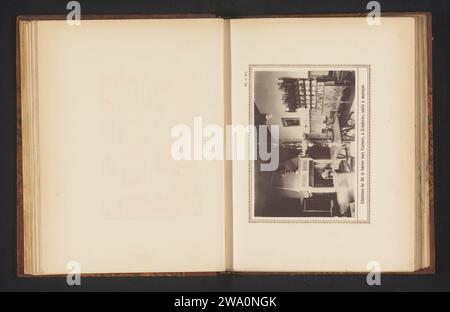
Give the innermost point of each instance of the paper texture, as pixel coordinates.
(113, 198)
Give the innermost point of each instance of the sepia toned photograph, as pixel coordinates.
(224, 146)
(315, 113)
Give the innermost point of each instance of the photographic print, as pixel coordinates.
(322, 117)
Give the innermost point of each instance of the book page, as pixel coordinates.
(334, 100)
(113, 197)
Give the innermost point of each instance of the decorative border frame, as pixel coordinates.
(296, 220)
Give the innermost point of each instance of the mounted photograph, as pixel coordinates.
(316, 111)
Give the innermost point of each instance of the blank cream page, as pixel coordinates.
(386, 236)
(113, 198)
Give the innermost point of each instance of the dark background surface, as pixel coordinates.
(227, 8)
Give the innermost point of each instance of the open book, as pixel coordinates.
(196, 145)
